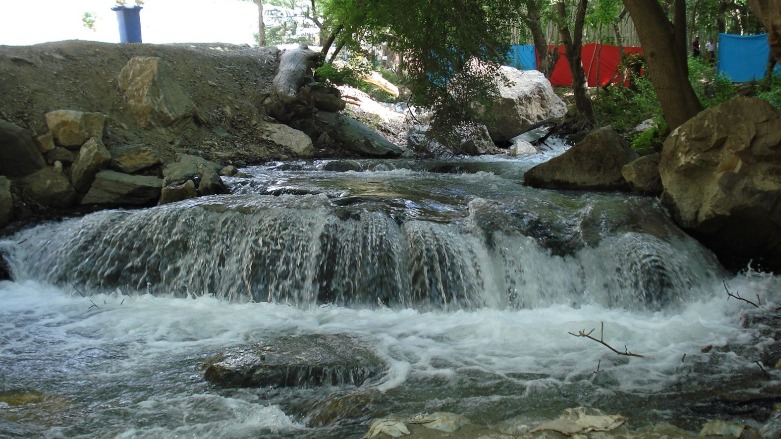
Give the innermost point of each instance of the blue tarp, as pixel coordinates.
(522, 57)
(743, 58)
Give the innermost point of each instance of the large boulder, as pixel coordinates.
(153, 93)
(526, 98)
(49, 188)
(19, 155)
(355, 136)
(6, 202)
(93, 157)
(595, 163)
(112, 188)
(721, 173)
(769, 12)
(287, 138)
(71, 128)
(313, 360)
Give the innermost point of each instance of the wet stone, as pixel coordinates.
(301, 361)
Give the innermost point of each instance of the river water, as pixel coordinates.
(467, 284)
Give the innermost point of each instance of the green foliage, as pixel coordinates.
(771, 91)
(440, 40)
(603, 12)
(711, 88)
(89, 19)
(351, 74)
(626, 107)
(340, 73)
(650, 141)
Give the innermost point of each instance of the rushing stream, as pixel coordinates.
(467, 284)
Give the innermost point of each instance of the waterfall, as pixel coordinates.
(306, 251)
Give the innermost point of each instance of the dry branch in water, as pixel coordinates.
(737, 296)
(601, 340)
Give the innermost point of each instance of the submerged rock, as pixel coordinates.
(6, 203)
(312, 360)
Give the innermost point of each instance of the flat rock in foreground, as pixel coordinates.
(301, 361)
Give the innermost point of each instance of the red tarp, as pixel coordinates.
(600, 63)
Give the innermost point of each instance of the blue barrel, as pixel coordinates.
(129, 20)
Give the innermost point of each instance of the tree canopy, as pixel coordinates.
(439, 41)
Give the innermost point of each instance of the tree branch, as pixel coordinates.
(737, 296)
(600, 340)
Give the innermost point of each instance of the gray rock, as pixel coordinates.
(522, 147)
(178, 192)
(205, 174)
(721, 173)
(342, 166)
(93, 157)
(45, 142)
(133, 158)
(72, 128)
(229, 171)
(594, 164)
(19, 155)
(355, 136)
(525, 98)
(49, 188)
(326, 98)
(116, 189)
(6, 202)
(287, 138)
(303, 361)
(475, 141)
(153, 94)
(643, 175)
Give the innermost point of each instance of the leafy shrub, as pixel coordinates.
(339, 73)
(771, 91)
(351, 74)
(711, 88)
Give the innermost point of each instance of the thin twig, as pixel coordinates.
(77, 290)
(763, 369)
(94, 305)
(737, 296)
(601, 340)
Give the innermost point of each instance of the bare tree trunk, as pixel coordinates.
(679, 27)
(668, 70)
(532, 20)
(769, 13)
(337, 49)
(261, 25)
(572, 43)
(330, 41)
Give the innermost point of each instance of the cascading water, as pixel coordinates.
(464, 282)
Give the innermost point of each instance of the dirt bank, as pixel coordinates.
(229, 85)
